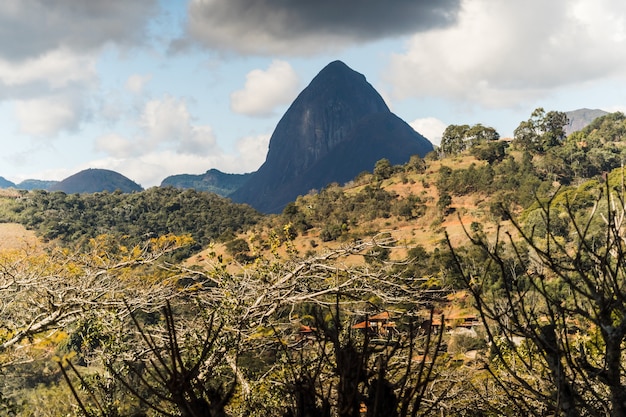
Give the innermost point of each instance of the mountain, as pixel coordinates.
(213, 181)
(36, 184)
(338, 127)
(4, 183)
(580, 118)
(96, 180)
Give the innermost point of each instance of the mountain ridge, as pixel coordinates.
(213, 180)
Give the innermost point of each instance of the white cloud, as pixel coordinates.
(50, 92)
(165, 119)
(429, 127)
(167, 122)
(152, 166)
(266, 90)
(147, 164)
(48, 116)
(200, 139)
(616, 108)
(503, 53)
(252, 151)
(49, 51)
(115, 145)
(136, 83)
(166, 142)
(55, 69)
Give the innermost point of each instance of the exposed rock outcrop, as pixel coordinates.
(338, 127)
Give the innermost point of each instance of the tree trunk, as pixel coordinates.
(613, 375)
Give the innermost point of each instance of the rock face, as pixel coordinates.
(96, 180)
(338, 127)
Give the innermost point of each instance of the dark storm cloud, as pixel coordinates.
(29, 28)
(302, 26)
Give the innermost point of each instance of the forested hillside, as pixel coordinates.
(73, 219)
(485, 279)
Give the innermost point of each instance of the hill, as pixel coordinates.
(33, 184)
(425, 199)
(73, 219)
(4, 183)
(336, 128)
(415, 202)
(96, 180)
(213, 181)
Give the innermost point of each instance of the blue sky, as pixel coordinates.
(154, 88)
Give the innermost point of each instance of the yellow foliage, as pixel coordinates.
(65, 358)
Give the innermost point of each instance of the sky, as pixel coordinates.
(152, 88)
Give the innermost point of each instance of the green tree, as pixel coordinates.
(444, 202)
(541, 132)
(481, 134)
(553, 128)
(453, 139)
(416, 163)
(493, 151)
(239, 249)
(458, 138)
(383, 169)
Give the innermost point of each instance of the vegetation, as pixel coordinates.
(356, 300)
(72, 219)
(459, 138)
(559, 312)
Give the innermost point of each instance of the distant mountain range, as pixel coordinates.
(36, 184)
(213, 181)
(338, 127)
(27, 184)
(4, 183)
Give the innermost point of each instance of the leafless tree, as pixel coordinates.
(339, 370)
(557, 324)
(45, 293)
(43, 290)
(168, 377)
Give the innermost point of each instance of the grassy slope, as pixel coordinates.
(428, 230)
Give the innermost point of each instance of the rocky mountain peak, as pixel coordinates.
(325, 115)
(322, 116)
